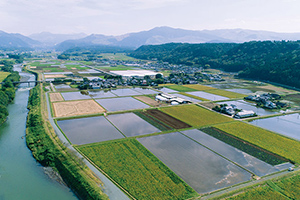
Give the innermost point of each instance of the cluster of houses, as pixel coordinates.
(233, 110)
(213, 77)
(267, 100)
(172, 99)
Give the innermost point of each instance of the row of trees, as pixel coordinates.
(276, 61)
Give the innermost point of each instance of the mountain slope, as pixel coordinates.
(51, 39)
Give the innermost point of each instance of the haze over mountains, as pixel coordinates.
(159, 35)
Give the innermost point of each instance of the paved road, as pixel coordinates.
(109, 188)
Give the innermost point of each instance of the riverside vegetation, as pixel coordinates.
(49, 151)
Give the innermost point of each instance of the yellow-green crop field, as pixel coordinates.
(195, 115)
(199, 87)
(226, 93)
(137, 170)
(3, 75)
(280, 145)
(290, 186)
(259, 193)
(180, 88)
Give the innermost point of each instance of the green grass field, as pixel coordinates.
(290, 186)
(199, 87)
(3, 75)
(138, 171)
(117, 68)
(195, 115)
(225, 93)
(265, 139)
(180, 88)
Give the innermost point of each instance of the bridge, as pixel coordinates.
(19, 82)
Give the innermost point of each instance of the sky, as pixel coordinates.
(117, 17)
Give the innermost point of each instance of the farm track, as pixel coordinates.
(167, 119)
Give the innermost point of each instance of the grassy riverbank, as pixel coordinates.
(49, 151)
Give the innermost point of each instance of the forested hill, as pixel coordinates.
(272, 61)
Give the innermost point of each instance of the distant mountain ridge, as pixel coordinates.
(155, 36)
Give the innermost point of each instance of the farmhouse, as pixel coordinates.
(171, 99)
(127, 74)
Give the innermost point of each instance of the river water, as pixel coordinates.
(21, 177)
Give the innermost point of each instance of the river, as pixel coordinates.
(21, 177)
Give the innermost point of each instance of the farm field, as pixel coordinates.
(116, 56)
(101, 94)
(288, 125)
(199, 167)
(144, 90)
(199, 87)
(135, 169)
(55, 97)
(240, 90)
(131, 125)
(290, 186)
(155, 122)
(248, 148)
(54, 76)
(295, 98)
(195, 116)
(193, 96)
(209, 96)
(68, 96)
(125, 92)
(180, 88)
(75, 108)
(148, 101)
(3, 75)
(167, 119)
(247, 161)
(187, 98)
(121, 104)
(116, 68)
(280, 145)
(225, 93)
(167, 90)
(89, 130)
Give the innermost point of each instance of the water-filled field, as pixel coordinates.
(288, 125)
(202, 169)
(101, 94)
(167, 90)
(74, 96)
(187, 98)
(144, 90)
(131, 124)
(205, 95)
(122, 103)
(240, 90)
(62, 86)
(125, 92)
(241, 104)
(89, 130)
(247, 161)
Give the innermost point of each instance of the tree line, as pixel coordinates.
(276, 61)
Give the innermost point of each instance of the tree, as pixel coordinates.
(157, 76)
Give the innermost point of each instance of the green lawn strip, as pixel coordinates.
(158, 124)
(137, 170)
(225, 93)
(270, 141)
(180, 88)
(259, 193)
(290, 186)
(3, 75)
(250, 149)
(195, 115)
(193, 96)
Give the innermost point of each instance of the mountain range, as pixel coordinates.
(158, 35)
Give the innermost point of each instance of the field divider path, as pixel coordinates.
(115, 126)
(218, 154)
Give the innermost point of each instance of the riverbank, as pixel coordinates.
(49, 151)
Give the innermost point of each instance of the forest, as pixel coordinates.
(276, 61)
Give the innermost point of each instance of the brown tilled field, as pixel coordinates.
(55, 97)
(54, 76)
(74, 108)
(149, 101)
(167, 119)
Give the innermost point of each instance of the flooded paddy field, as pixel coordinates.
(89, 130)
(68, 96)
(245, 160)
(166, 90)
(125, 92)
(205, 95)
(121, 103)
(144, 90)
(131, 124)
(202, 169)
(187, 98)
(101, 94)
(240, 90)
(288, 125)
(241, 104)
(62, 86)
